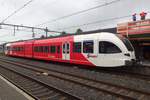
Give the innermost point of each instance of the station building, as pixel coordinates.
(138, 32)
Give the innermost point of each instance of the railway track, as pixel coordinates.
(129, 72)
(108, 88)
(132, 71)
(35, 88)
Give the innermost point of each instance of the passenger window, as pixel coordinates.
(41, 49)
(108, 47)
(88, 46)
(77, 47)
(46, 49)
(35, 49)
(38, 48)
(63, 48)
(17, 49)
(20, 48)
(68, 48)
(52, 49)
(58, 49)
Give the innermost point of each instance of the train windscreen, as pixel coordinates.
(126, 42)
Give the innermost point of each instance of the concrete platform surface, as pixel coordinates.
(8, 91)
(146, 63)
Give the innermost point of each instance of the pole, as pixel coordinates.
(46, 31)
(14, 30)
(33, 34)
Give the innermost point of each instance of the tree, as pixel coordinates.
(79, 31)
(63, 33)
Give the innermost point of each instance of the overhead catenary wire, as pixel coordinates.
(79, 12)
(13, 13)
(95, 22)
(23, 30)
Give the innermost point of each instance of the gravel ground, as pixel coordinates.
(83, 92)
(134, 83)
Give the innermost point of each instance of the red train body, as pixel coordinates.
(78, 49)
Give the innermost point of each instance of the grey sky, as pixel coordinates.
(40, 11)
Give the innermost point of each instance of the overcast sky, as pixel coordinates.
(40, 11)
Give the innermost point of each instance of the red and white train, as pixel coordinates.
(96, 49)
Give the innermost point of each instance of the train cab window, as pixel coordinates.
(58, 49)
(52, 49)
(88, 46)
(77, 47)
(108, 47)
(127, 44)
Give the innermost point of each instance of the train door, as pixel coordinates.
(66, 51)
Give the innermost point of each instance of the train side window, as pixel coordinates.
(35, 49)
(20, 48)
(77, 47)
(63, 48)
(68, 48)
(88, 46)
(12, 48)
(52, 49)
(41, 49)
(17, 49)
(58, 49)
(46, 49)
(108, 47)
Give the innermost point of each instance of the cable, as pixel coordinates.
(95, 22)
(17, 11)
(79, 12)
(99, 21)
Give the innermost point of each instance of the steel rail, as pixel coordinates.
(67, 94)
(42, 70)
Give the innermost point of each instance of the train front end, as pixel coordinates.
(129, 54)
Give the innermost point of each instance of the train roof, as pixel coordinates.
(110, 30)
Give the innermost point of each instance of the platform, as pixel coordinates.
(146, 63)
(8, 91)
(135, 30)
